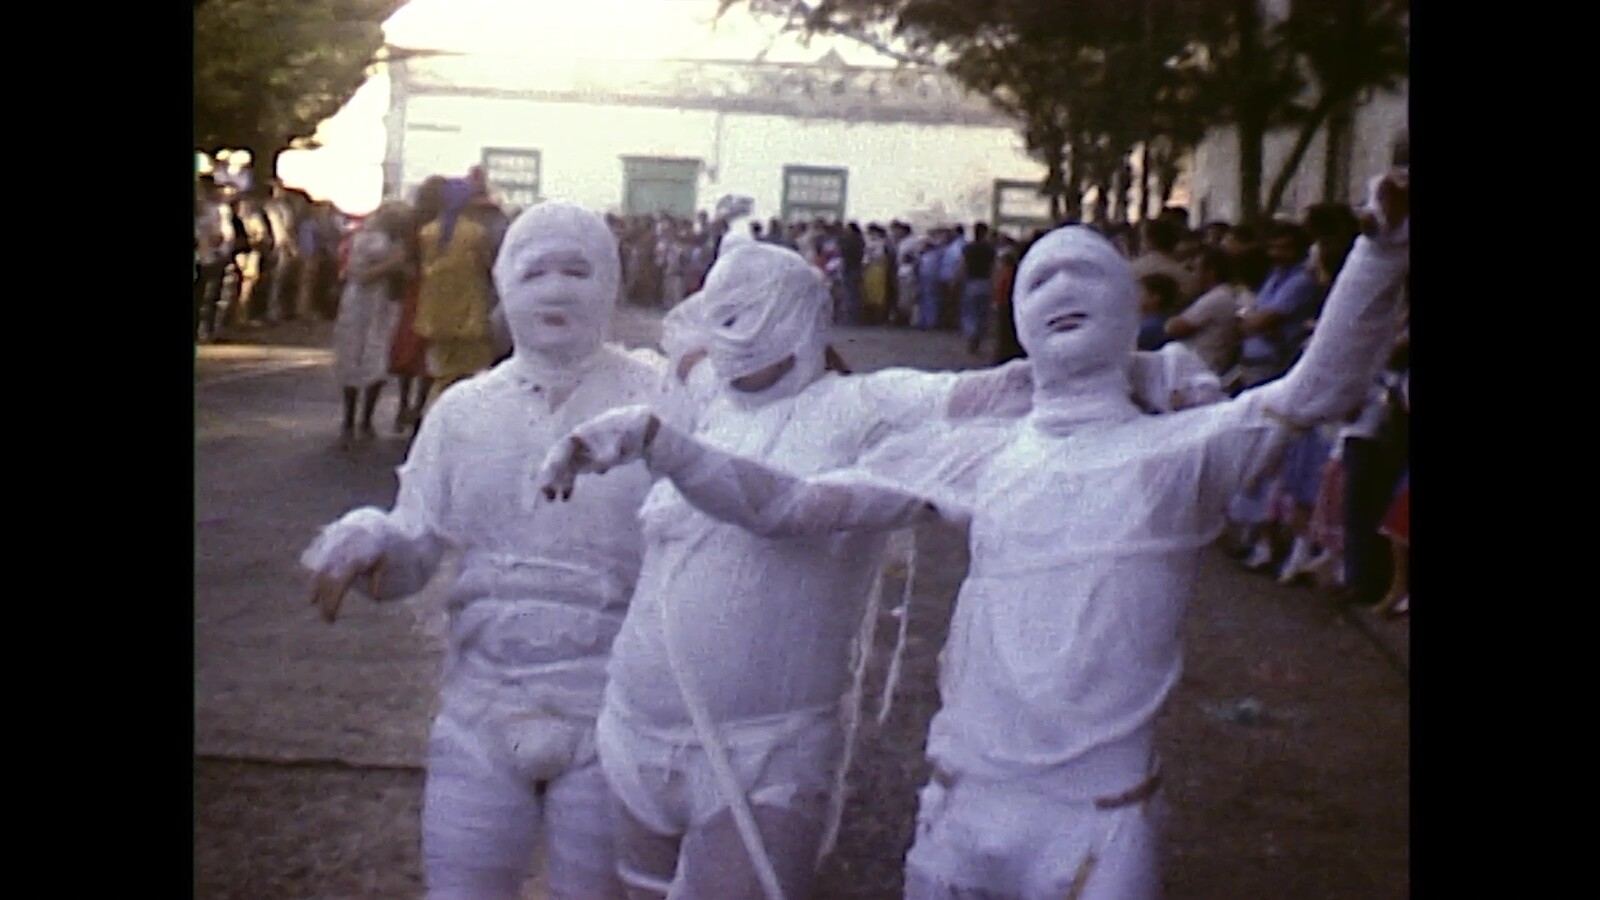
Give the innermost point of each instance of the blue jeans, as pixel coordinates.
(976, 298)
(214, 300)
(851, 282)
(928, 307)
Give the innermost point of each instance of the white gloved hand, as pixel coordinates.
(599, 445)
(1386, 217)
(349, 549)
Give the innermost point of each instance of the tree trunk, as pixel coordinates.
(1144, 180)
(1124, 193)
(1167, 177)
(1167, 170)
(1073, 195)
(1291, 164)
(264, 153)
(1054, 181)
(1252, 118)
(1251, 137)
(1335, 164)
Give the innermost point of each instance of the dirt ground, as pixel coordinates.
(307, 777)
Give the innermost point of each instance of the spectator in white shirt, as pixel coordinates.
(1210, 325)
(1160, 243)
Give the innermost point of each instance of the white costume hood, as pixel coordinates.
(765, 304)
(558, 275)
(1077, 314)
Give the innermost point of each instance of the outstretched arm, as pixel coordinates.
(1004, 391)
(758, 498)
(370, 550)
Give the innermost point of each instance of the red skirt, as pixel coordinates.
(1327, 517)
(1397, 524)
(408, 355)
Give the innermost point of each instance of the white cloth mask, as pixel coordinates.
(766, 305)
(1077, 313)
(558, 275)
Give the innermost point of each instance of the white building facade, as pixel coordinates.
(862, 143)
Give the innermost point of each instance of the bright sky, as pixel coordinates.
(347, 169)
(605, 29)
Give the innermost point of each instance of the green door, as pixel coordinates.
(652, 186)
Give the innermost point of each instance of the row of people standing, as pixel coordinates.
(1244, 304)
(664, 258)
(269, 255)
(889, 275)
(1337, 504)
(418, 302)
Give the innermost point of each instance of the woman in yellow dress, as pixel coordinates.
(875, 281)
(453, 305)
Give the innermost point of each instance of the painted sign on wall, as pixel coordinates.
(811, 192)
(512, 176)
(1018, 205)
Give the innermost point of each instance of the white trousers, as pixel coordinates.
(496, 783)
(1030, 839)
(679, 840)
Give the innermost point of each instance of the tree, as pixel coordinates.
(1350, 47)
(1254, 75)
(268, 72)
(1089, 81)
(1038, 82)
(1247, 78)
(1180, 115)
(872, 23)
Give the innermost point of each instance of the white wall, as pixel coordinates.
(916, 172)
(1215, 180)
(896, 170)
(1378, 123)
(580, 146)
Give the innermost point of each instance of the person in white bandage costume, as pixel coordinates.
(1087, 518)
(541, 593)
